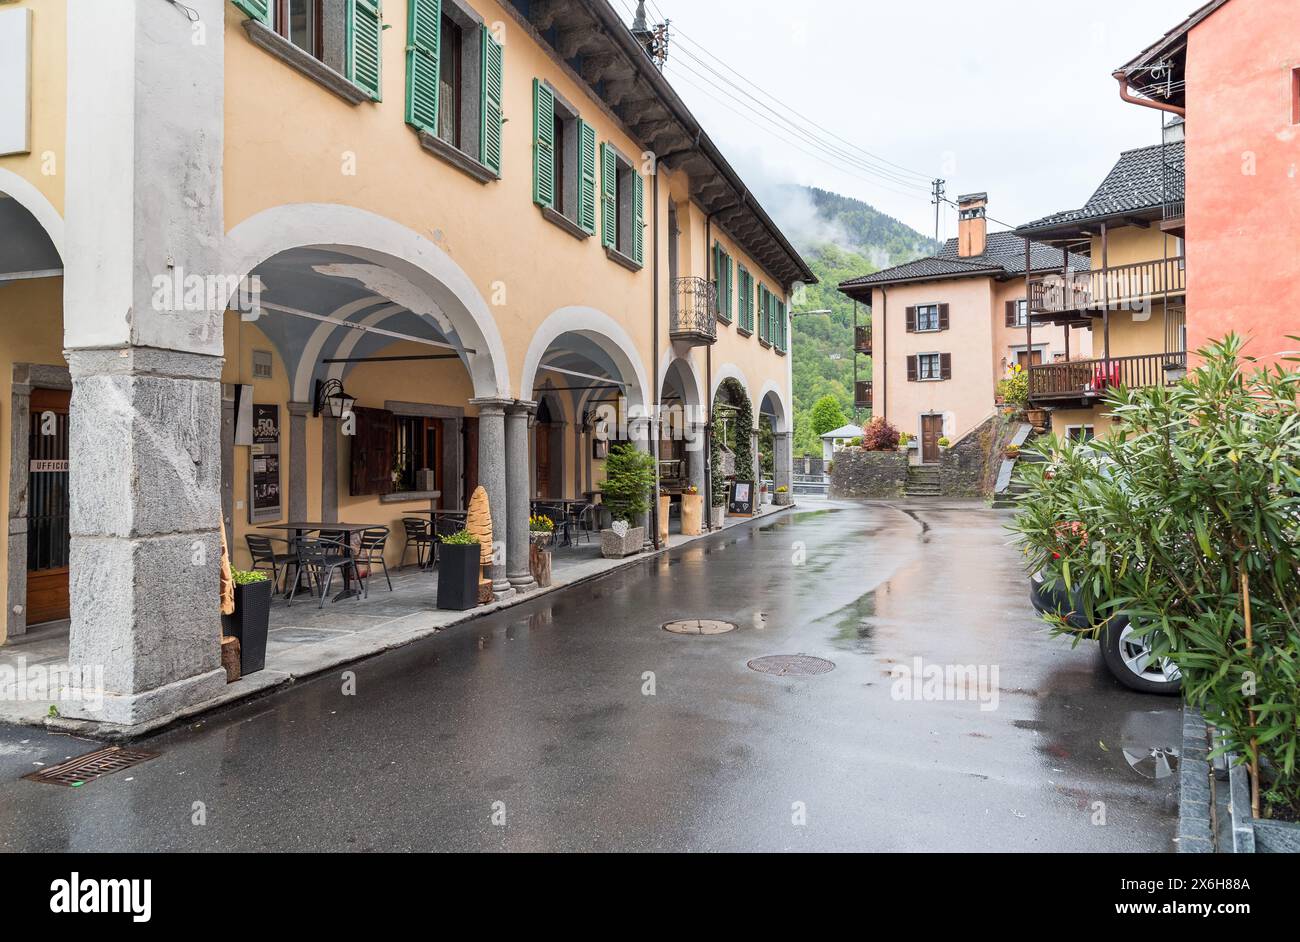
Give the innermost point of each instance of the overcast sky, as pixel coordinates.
(1010, 96)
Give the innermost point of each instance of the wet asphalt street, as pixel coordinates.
(540, 715)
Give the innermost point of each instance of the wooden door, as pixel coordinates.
(1026, 360)
(47, 507)
(542, 434)
(931, 432)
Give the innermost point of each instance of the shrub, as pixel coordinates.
(463, 538)
(629, 478)
(945, 442)
(904, 440)
(244, 577)
(1186, 519)
(879, 435)
(783, 489)
(827, 415)
(1014, 388)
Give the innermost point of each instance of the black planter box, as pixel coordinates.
(249, 624)
(458, 571)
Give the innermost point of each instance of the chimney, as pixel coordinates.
(642, 31)
(972, 226)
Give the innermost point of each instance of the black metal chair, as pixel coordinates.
(371, 553)
(588, 519)
(320, 559)
(417, 533)
(262, 549)
(563, 525)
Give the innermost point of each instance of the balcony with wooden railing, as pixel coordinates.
(1120, 286)
(1091, 379)
(693, 312)
(862, 397)
(862, 340)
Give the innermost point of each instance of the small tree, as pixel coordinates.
(827, 415)
(879, 435)
(1186, 521)
(629, 479)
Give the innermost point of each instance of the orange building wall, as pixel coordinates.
(1243, 176)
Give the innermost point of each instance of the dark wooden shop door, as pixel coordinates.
(47, 507)
(931, 432)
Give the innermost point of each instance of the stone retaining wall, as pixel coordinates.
(868, 474)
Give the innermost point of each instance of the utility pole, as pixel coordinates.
(937, 191)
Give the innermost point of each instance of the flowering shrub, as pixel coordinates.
(1014, 388)
(540, 523)
(879, 435)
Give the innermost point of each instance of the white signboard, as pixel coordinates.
(15, 81)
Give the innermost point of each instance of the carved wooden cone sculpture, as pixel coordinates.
(479, 523)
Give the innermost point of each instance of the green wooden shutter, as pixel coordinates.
(365, 30)
(608, 197)
(780, 325)
(490, 112)
(746, 313)
(717, 277)
(256, 9)
(423, 29)
(638, 218)
(587, 191)
(543, 144)
(731, 285)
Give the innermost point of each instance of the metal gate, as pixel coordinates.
(47, 507)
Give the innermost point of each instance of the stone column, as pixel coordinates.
(492, 477)
(145, 456)
(298, 412)
(782, 461)
(517, 495)
(697, 457)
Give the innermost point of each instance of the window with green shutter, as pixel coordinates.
(638, 218)
(423, 27)
(365, 27)
(491, 116)
(256, 9)
(745, 310)
(543, 144)
(587, 183)
(608, 197)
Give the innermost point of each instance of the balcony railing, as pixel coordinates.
(862, 396)
(1081, 379)
(1123, 286)
(862, 340)
(693, 315)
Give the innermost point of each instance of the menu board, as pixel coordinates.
(741, 502)
(264, 502)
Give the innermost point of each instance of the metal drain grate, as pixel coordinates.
(92, 765)
(783, 665)
(699, 626)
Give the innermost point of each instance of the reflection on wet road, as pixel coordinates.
(952, 720)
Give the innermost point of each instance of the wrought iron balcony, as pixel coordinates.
(1091, 379)
(693, 318)
(1088, 292)
(862, 397)
(862, 340)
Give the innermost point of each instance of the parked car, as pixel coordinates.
(1127, 655)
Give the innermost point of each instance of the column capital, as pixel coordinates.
(521, 407)
(299, 408)
(491, 406)
(781, 435)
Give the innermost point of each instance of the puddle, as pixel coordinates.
(855, 625)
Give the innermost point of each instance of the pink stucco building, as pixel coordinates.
(1232, 71)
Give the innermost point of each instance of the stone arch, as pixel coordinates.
(35, 202)
(600, 329)
(782, 413)
(462, 311)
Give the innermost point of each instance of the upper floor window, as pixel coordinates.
(1017, 313)
(929, 367)
(723, 279)
(302, 22)
(1295, 95)
(345, 35)
(927, 318)
(451, 82)
(623, 207)
(564, 162)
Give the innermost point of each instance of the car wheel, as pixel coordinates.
(1130, 659)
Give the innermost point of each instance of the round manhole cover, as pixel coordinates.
(784, 665)
(699, 626)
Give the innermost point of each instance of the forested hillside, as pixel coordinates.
(840, 238)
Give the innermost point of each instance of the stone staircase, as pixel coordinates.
(922, 481)
(1008, 497)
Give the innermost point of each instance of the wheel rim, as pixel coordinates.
(1136, 653)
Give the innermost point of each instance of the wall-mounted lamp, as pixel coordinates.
(332, 399)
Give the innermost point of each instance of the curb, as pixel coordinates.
(1196, 785)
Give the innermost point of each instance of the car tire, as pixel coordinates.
(1124, 657)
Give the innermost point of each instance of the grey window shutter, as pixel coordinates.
(945, 366)
(911, 369)
(911, 320)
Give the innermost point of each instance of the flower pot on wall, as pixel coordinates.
(250, 623)
(782, 499)
(458, 570)
(692, 514)
(614, 545)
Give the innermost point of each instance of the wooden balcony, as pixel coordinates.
(862, 340)
(862, 396)
(1087, 380)
(693, 316)
(1123, 286)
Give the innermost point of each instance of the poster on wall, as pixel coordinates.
(741, 503)
(264, 465)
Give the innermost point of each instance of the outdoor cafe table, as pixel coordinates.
(299, 527)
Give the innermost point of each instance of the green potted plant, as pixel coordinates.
(458, 571)
(629, 479)
(782, 496)
(904, 442)
(721, 488)
(251, 619)
(945, 442)
(1012, 452)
